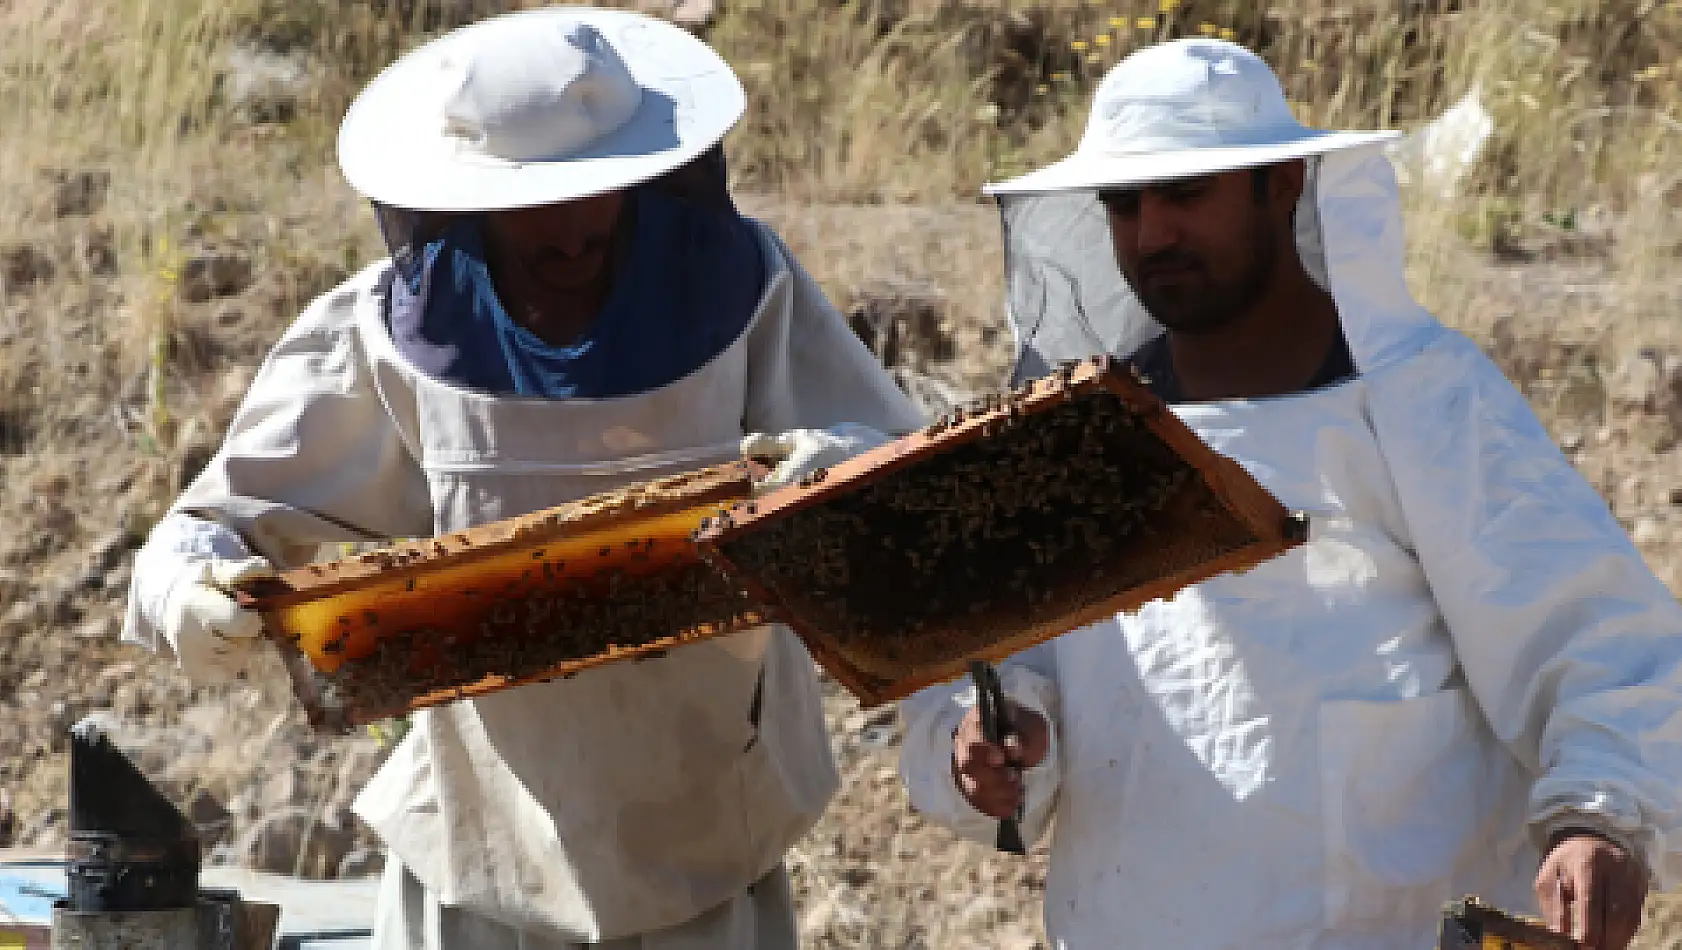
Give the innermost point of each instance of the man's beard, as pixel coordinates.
(1195, 306)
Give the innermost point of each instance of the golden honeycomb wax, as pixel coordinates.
(607, 578)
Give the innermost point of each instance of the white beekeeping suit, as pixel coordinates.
(1467, 654)
(643, 805)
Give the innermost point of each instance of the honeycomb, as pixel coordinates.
(1470, 924)
(545, 595)
(1008, 522)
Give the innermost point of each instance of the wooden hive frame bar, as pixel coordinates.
(853, 558)
(604, 579)
(1471, 924)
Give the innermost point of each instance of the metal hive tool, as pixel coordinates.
(1002, 525)
(1470, 924)
(608, 578)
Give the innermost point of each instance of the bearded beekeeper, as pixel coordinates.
(572, 304)
(1466, 682)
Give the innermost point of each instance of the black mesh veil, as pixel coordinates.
(704, 181)
(1064, 295)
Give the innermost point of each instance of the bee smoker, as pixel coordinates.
(133, 866)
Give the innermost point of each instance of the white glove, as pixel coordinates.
(799, 452)
(213, 637)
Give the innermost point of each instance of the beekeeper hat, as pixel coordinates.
(537, 107)
(1181, 109)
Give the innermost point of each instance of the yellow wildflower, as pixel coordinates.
(1102, 39)
(1167, 6)
(1145, 23)
(1208, 29)
(1077, 45)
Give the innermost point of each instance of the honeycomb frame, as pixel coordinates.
(1471, 924)
(473, 612)
(910, 654)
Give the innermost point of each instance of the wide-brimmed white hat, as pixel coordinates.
(535, 108)
(1180, 109)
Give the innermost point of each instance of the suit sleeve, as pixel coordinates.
(932, 715)
(314, 455)
(1570, 644)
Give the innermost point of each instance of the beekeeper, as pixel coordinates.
(572, 304)
(1466, 682)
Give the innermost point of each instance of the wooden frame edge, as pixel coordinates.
(724, 485)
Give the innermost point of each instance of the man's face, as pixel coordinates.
(564, 247)
(1199, 252)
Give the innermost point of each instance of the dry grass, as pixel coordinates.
(859, 102)
(130, 160)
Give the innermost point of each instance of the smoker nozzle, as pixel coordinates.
(131, 849)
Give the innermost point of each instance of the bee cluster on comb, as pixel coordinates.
(1007, 522)
(543, 596)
